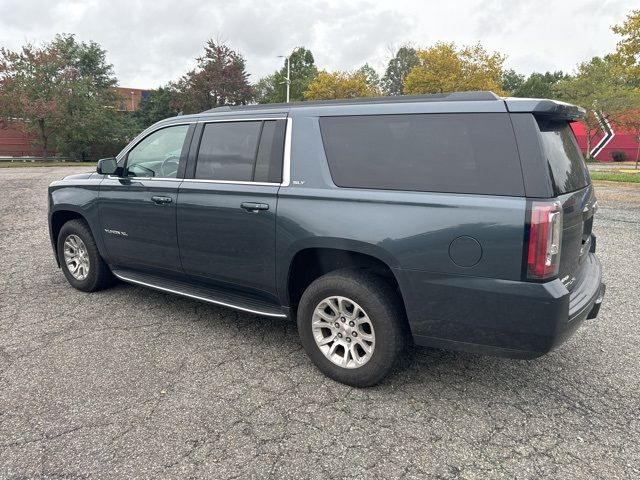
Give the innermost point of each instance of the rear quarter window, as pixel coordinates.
(458, 153)
(565, 163)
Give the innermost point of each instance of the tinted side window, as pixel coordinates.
(270, 152)
(228, 151)
(565, 162)
(463, 153)
(158, 154)
(241, 151)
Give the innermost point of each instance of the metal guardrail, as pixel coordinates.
(40, 159)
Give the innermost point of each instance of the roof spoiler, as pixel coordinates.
(546, 108)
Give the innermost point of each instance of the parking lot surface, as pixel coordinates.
(134, 383)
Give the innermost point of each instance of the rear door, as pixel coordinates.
(226, 215)
(569, 178)
(138, 209)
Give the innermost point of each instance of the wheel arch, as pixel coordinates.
(313, 259)
(59, 217)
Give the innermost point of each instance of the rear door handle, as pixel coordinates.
(161, 200)
(254, 207)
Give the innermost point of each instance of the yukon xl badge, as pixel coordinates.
(116, 232)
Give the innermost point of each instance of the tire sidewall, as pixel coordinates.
(383, 317)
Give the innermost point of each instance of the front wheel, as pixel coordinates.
(79, 257)
(351, 325)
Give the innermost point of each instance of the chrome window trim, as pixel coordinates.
(166, 179)
(236, 119)
(197, 297)
(286, 161)
(231, 182)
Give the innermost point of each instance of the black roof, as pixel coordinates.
(435, 97)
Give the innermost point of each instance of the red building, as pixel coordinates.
(611, 139)
(14, 142)
(130, 98)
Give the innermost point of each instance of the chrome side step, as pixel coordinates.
(217, 297)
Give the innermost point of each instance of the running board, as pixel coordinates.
(210, 295)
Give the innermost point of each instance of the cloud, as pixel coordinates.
(151, 43)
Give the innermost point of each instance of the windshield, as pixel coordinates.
(565, 162)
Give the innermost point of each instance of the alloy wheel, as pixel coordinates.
(76, 257)
(343, 332)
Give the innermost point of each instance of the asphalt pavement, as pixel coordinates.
(132, 383)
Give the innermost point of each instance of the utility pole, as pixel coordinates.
(288, 76)
(288, 80)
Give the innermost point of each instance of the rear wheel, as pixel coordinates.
(351, 325)
(81, 262)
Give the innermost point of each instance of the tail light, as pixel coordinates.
(545, 235)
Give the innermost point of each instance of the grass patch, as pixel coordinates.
(616, 177)
(19, 164)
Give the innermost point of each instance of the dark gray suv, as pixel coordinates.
(457, 221)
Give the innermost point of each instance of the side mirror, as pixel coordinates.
(107, 166)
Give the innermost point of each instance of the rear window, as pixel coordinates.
(242, 151)
(567, 169)
(228, 151)
(459, 153)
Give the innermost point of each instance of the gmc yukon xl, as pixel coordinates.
(460, 221)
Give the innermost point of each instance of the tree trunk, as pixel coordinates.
(588, 136)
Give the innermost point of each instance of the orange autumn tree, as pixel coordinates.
(446, 68)
(333, 85)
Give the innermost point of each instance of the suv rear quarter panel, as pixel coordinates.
(410, 231)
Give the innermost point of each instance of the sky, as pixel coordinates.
(151, 43)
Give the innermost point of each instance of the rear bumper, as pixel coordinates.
(498, 317)
(585, 299)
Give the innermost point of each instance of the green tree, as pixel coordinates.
(628, 56)
(327, 86)
(598, 87)
(539, 85)
(628, 48)
(373, 79)
(90, 123)
(219, 79)
(398, 68)
(62, 92)
(266, 90)
(445, 68)
(273, 88)
(512, 81)
(156, 106)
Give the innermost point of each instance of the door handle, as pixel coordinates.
(161, 200)
(254, 207)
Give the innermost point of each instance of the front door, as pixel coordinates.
(138, 209)
(227, 209)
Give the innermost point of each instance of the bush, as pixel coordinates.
(619, 156)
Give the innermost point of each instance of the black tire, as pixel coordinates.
(99, 275)
(383, 306)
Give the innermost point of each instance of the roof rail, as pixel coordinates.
(475, 96)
